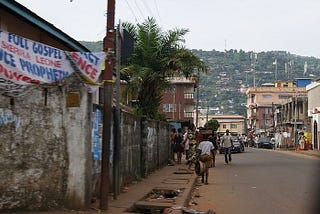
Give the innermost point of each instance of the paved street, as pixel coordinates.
(262, 181)
(258, 181)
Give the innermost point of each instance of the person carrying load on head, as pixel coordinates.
(205, 151)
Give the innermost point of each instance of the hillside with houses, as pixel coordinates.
(222, 90)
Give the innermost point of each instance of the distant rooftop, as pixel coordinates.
(182, 80)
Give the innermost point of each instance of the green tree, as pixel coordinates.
(157, 56)
(212, 124)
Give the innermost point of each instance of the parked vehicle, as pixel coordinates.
(264, 143)
(237, 146)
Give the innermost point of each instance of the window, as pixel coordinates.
(233, 126)
(284, 96)
(168, 107)
(188, 96)
(268, 111)
(188, 114)
(267, 96)
(224, 126)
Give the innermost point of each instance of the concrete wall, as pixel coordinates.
(44, 148)
(144, 147)
(313, 102)
(130, 148)
(313, 97)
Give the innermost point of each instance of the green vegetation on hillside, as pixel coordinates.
(93, 46)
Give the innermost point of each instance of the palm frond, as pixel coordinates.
(157, 55)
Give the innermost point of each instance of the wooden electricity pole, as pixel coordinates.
(109, 44)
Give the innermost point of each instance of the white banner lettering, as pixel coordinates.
(24, 62)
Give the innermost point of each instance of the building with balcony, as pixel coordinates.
(261, 103)
(292, 118)
(178, 102)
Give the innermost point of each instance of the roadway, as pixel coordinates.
(261, 181)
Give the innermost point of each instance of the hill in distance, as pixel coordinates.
(231, 72)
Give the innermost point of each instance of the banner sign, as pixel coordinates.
(24, 62)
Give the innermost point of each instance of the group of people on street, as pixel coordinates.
(199, 151)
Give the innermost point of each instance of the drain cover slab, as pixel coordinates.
(176, 181)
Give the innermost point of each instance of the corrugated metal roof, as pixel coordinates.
(33, 18)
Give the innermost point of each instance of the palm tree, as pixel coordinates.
(157, 56)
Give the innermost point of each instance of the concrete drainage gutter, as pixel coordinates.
(174, 191)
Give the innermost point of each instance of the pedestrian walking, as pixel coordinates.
(301, 141)
(215, 140)
(186, 142)
(179, 145)
(205, 151)
(173, 136)
(227, 145)
(192, 158)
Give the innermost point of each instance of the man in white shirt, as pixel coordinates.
(227, 144)
(186, 143)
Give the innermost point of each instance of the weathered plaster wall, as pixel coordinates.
(43, 150)
(144, 148)
(77, 126)
(130, 148)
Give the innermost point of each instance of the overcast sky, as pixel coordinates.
(250, 25)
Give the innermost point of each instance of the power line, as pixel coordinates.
(135, 1)
(147, 7)
(133, 13)
(157, 9)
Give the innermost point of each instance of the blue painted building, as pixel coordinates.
(302, 82)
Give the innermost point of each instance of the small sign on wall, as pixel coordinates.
(73, 99)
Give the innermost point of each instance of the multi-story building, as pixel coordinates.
(235, 123)
(261, 102)
(313, 90)
(178, 102)
(292, 118)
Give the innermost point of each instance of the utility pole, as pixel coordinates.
(295, 119)
(117, 138)
(207, 111)
(276, 70)
(197, 102)
(254, 58)
(107, 104)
